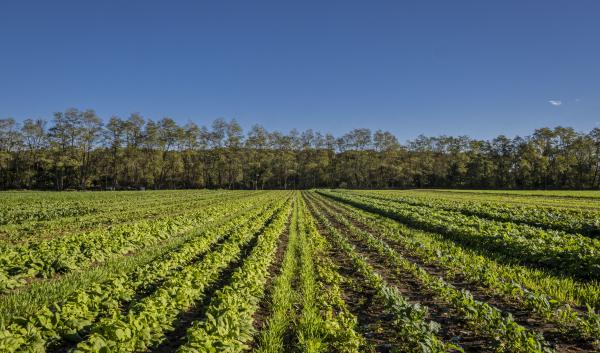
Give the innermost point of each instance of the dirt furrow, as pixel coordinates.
(362, 301)
(524, 317)
(261, 316)
(175, 338)
(453, 328)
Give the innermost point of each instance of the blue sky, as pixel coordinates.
(480, 68)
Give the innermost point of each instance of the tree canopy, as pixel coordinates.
(77, 150)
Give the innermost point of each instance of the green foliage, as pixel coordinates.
(574, 255)
(78, 151)
(228, 325)
(70, 319)
(553, 298)
(415, 332)
(184, 245)
(46, 259)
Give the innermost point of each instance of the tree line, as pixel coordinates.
(77, 150)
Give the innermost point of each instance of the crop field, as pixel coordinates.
(300, 271)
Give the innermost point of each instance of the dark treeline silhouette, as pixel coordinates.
(76, 150)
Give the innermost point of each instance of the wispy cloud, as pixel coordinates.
(555, 102)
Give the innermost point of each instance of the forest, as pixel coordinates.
(77, 150)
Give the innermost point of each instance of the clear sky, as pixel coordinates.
(477, 67)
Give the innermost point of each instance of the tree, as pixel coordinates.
(75, 150)
(10, 143)
(36, 142)
(114, 135)
(384, 141)
(64, 136)
(90, 132)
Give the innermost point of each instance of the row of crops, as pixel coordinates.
(289, 271)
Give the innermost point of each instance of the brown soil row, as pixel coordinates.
(453, 328)
(524, 317)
